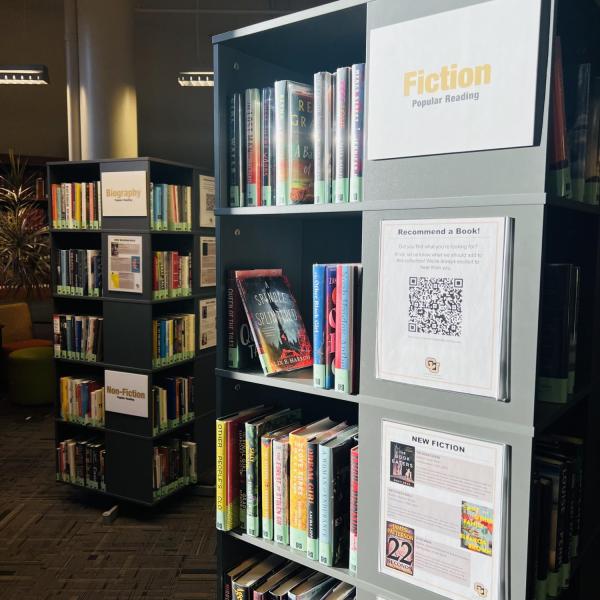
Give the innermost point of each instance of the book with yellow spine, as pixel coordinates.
(298, 480)
(77, 219)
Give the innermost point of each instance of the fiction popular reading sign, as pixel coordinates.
(124, 194)
(444, 304)
(457, 81)
(126, 393)
(443, 500)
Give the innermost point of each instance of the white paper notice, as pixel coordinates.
(208, 262)
(207, 200)
(125, 264)
(457, 81)
(443, 304)
(124, 194)
(442, 512)
(126, 393)
(208, 323)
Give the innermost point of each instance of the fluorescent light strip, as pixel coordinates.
(24, 75)
(196, 79)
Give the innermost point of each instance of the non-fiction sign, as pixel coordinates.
(126, 393)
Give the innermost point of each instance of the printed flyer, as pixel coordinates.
(443, 500)
(208, 261)
(208, 323)
(444, 304)
(125, 264)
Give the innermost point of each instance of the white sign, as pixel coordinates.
(208, 261)
(457, 81)
(126, 393)
(208, 323)
(443, 499)
(124, 194)
(444, 304)
(125, 264)
(206, 185)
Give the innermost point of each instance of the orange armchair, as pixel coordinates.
(17, 330)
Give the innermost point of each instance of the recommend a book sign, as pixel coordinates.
(444, 304)
(442, 506)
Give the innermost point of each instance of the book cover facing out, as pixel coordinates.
(275, 320)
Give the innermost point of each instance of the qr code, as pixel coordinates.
(435, 305)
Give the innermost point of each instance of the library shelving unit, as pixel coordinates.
(127, 335)
(508, 182)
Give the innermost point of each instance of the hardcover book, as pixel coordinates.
(357, 133)
(300, 143)
(334, 497)
(275, 320)
(282, 590)
(268, 146)
(237, 156)
(318, 290)
(313, 588)
(322, 136)
(253, 148)
(243, 585)
(254, 431)
(592, 165)
(261, 592)
(579, 132)
(281, 490)
(241, 349)
(353, 555)
(341, 183)
(281, 145)
(330, 323)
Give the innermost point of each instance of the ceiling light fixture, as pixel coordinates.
(196, 78)
(24, 75)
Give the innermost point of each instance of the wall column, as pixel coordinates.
(107, 97)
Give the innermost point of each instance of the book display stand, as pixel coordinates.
(125, 363)
(502, 181)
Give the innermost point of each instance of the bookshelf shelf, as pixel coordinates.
(128, 441)
(296, 381)
(285, 551)
(509, 182)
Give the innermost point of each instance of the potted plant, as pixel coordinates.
(24, 238)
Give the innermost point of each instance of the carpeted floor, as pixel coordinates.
(53, 543)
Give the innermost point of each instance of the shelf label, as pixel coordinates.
(126, 393)
(124, 194)
(456, 81)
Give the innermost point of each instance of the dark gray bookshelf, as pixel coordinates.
(127, 336)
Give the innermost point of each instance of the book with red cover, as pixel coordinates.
(275, 320)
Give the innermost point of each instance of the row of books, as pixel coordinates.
(174, 465)
(574, 153)
(271, 577)
(264, 323)
(556, 515)
(172, 404)
(170, 207)
(79, 272)
(76, 205)
(174, 338)
(82, 461)
(282, 481)
(336, 326)
(296, 143)
(78, 337)
(171, 274)
(558, 333)
(82, 401)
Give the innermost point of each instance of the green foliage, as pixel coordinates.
(24, 239)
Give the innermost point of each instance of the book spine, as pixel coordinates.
(240, 592)
(318, 273)
(297, 493)
(266, 471)
(56, 336)
(322, 136)
(325, 507)
(357, 133)
(592, 173)
(330, 323)
(300, 144)
(312, 500)
(280, 120)
(268, 146)
(241, 465)
(221, 480)
(579, 133)
(252, 481)
(343, 319)
(54, 205)
(253, 148)
(353, 554)
(281, 528)
(342, 123)
(237, 152)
